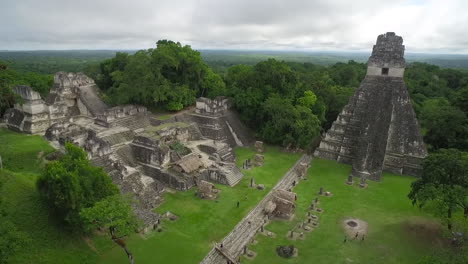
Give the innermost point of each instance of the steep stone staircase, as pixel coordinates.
(91, 100)
(119, 138)
(133, 122)
(232, 173)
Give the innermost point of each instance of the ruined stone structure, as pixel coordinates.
(207, 190)
(378, 130)
(282, 205)
(73, 94)
(142, 155)
(217, 121)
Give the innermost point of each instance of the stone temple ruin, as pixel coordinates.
(378, 130)
(143, 155)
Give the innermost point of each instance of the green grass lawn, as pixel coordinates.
(20, 152)
(398, 232)
(203, 222)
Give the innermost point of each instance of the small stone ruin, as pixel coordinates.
(355, 228)
(282, 205)
(286, 251)
(301, 169)
(207, 190)
(259, 146)
(247, 165)
(259, 160)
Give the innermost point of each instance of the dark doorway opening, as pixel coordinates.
(384, 71)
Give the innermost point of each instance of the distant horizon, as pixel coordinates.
(240, 50)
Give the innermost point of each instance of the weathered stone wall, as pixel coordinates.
(171, 179)
(64, 132)
(217, 121)
(72, 94)
(212, 107)
(378, 128)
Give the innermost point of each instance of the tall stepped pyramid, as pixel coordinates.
(378, 130)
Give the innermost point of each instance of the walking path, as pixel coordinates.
(232, 246)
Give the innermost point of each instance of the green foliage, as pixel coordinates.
(170, 77)
(11, 240)
(72, 183)
(52, 61)
(111, 213)
(10, 78)
(444, 125)
(287, 124)
(180, 148)
(288, 103)
(443, 184)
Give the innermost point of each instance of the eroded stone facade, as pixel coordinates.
(73, 94)
(378, 130)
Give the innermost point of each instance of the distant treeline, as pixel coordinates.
(51, 61)
(286, 103)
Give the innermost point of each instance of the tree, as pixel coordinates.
(10, 78)
(115, 214)
(444, 126)
(72, 183)
(461, 99)
(170, 76)
(443, 184)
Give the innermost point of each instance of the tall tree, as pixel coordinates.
(444, 184)
(72, 183)
(115, 214)
(444, 126)
(170, 76)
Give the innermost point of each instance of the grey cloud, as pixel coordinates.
(436, 26)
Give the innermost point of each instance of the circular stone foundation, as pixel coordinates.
(351, 224)
(355, 227)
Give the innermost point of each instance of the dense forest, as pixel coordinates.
(285, 102)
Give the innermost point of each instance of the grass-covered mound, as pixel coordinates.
(397, 231)
(48, 242)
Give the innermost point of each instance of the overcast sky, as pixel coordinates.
(439, 26)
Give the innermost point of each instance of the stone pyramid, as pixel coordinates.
(378, 130)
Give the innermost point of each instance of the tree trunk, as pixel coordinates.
(465, 211)
(449, 219)
(122, 244)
